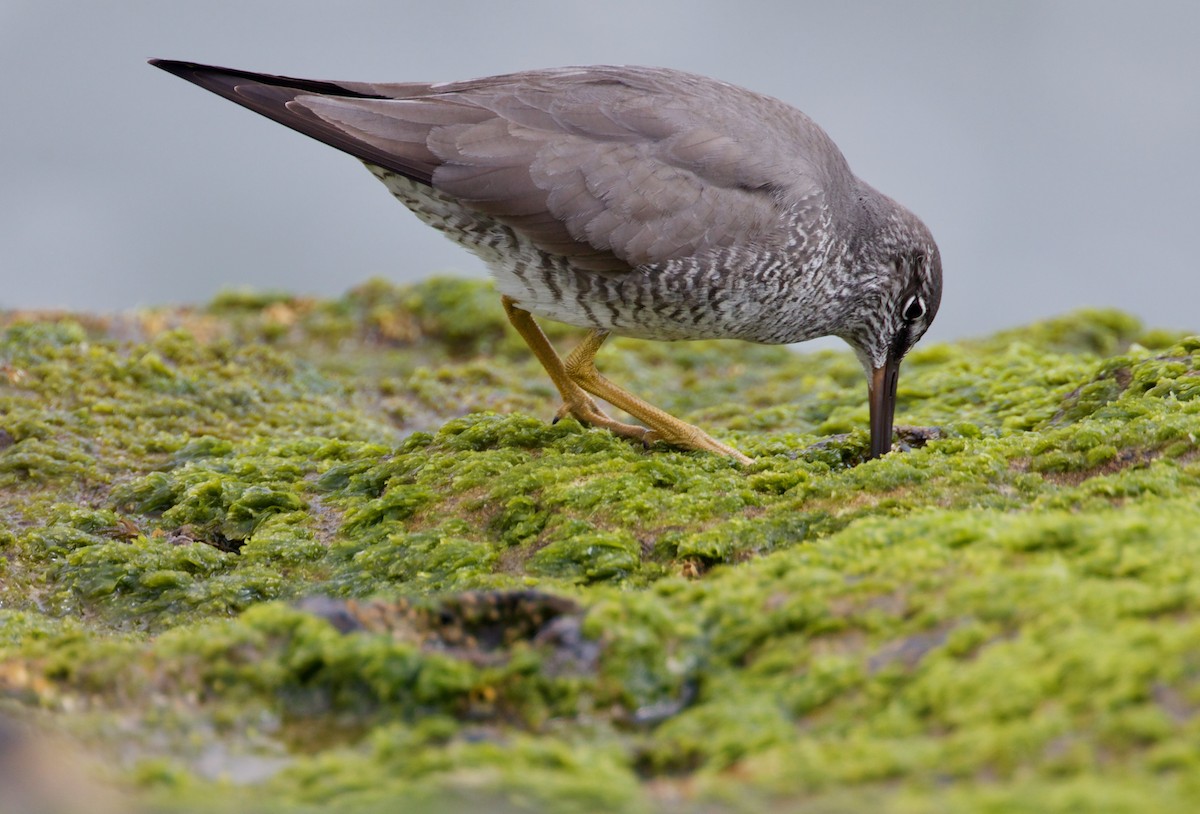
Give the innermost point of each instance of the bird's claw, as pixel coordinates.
(588, 413)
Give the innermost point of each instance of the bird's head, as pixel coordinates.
(899, 278)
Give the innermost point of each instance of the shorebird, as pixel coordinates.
(641, 202)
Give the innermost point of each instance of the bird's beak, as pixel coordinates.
(883, 383)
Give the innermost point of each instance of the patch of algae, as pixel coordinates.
(281, 554)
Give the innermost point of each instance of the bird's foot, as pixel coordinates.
(696, 438)
(586, 411)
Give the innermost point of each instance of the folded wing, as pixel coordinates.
(614, 167)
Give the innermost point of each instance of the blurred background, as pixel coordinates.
(1052, 147)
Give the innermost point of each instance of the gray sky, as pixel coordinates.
(1052, 147)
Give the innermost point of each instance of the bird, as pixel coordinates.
(635, 201)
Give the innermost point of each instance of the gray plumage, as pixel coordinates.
(640, 201)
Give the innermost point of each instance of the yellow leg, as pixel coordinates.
(578, 377)
(575, 401)
(581, 368)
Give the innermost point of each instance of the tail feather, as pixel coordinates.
(275, 97)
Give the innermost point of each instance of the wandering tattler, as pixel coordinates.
(641, 202)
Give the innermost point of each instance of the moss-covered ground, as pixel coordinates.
(284, 555)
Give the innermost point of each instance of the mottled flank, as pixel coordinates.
(287, 555)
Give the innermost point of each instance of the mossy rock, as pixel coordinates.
(281, 554)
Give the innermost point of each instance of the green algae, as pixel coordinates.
(1004, 616)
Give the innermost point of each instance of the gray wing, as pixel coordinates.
(616, 167)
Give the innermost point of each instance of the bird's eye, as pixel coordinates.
(914, 309)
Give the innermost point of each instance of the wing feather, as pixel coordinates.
(615, 167)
